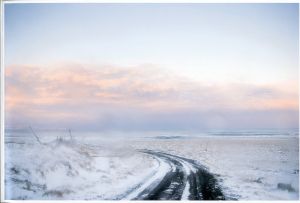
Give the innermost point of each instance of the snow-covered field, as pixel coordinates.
(105, 166)
(248, 168)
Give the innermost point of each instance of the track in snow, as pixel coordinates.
(182, 179)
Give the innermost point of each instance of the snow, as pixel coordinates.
(97, 166)
(247, 167)
(66, 169)
(186, 193)
(153, 180)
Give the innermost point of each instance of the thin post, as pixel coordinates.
(70, 133)
(35, 135)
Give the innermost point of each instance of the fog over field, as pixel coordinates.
(151, 101)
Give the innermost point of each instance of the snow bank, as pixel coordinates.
(67, 169)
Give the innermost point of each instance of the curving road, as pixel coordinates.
(176, 178)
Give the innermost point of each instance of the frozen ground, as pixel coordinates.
(248, 168)
(96, 166)
(68, 169)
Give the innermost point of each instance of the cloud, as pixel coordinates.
(142, 97)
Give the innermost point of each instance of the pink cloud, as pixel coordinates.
(69, 92)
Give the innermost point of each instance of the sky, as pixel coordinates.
(152, 66)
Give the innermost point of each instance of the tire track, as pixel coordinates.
(141, 190)
(184, 180)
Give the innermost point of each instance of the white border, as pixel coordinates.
(2, 77)
(2, 100)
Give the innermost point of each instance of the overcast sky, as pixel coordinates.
(152, 66)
